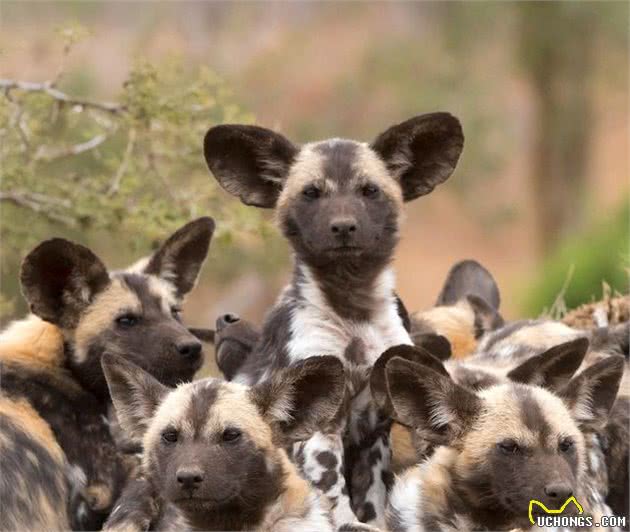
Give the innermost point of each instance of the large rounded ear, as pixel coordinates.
(466, 278)
(591, 395)
(250, 162)
(303, 398)
(135, 393)
(553, 368)
(429, 400)
(60, 279)
(422, 152)
(180, 258)
(378, 381)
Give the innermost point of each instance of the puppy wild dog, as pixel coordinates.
(606, 446)
(466, 309)
(60, 465)
(497, 448)
(524, 343)
(213, 449)
(339, 204)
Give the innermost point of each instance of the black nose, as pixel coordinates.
(225, 320)
(558, 491)
(190, 350)
(343, 226)
(189, 477)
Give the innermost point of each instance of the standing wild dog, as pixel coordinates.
(214, 449)
(60, 464)
(496, 449)
(339, 203)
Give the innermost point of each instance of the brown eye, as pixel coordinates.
(127, 320)
(311, 192)
(508, 447)
(370, 190)
(231, 435)
(176, 312)
(170, 436)
(566, 445)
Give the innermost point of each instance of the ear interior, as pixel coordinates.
(60, 279)
(424, 398)
(378, 379)
(249, 162)
(180, 258)
(135, 394)
(591, 395)
(487, 318)
(421, 152)
(303, 398)
(553, 368)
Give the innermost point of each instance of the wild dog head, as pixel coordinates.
(135, 312)
(336, 200)
(466, 309)
(212, 447)
(513, 442)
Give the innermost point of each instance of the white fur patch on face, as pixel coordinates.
(372, 168)
(234, 408)
(316, 329)
(164, 291)
(171, 412)
(307, 168)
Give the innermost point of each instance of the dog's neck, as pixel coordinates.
(351, 289)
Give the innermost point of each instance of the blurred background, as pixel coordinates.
(104, 147)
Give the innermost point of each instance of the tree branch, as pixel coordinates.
(40, 204)
(56, 94)
(49, 154)
(131, 141)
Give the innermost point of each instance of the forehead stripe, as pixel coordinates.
(531, 414)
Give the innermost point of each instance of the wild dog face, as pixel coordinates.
(211, 447)
(133, 312)
(513, 442)
(336, 199)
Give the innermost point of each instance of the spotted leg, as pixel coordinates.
(371, 478)
(321, 461)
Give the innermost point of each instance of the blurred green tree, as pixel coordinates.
(131, 168)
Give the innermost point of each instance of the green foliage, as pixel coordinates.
(575, 272)
(129, 171)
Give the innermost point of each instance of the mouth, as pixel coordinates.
(192, 502)
(345, 250)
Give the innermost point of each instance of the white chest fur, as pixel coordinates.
(316, 329)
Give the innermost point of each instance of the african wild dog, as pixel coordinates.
(497, 448)
(606, 446)
(60, 464)
(502, 350)
(339, 204)
(214, 449)
(466, 309)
